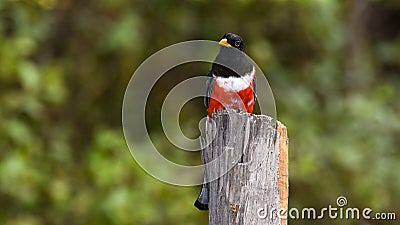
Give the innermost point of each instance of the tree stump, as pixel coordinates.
(246, 165)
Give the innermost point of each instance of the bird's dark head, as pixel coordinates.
(232, 40)
(230, 62)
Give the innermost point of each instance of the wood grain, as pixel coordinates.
(246, 163)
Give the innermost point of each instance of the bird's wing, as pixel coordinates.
(254, 85)
(209, 88)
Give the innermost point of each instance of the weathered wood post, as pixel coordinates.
(247, 165)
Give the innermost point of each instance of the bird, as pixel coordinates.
(231, 85)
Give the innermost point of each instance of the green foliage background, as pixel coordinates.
(334, 67)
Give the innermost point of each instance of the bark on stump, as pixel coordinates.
(246, 160)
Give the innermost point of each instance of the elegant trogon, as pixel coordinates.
(231, 85)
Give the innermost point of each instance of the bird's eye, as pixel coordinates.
(237, 43)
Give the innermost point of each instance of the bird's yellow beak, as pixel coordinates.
(224, 42)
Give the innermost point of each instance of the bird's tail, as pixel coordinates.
(202, 201)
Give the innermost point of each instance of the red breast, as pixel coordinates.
(223, 97)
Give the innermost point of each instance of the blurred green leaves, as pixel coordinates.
(124, 34)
